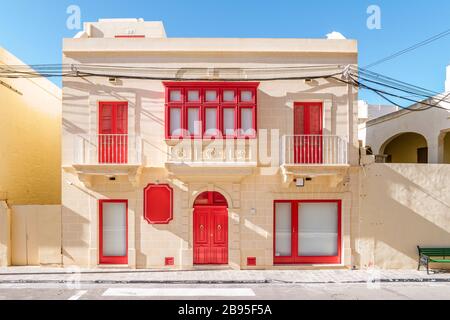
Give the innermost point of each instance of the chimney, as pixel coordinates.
(447, 80)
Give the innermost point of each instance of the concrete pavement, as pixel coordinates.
(122, 276)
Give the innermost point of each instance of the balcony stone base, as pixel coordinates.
(86, 173)
(335, 174)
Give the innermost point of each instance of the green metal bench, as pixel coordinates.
(433, 255)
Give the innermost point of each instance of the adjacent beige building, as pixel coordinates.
(277, 186)
(405, 184)
(30, 153)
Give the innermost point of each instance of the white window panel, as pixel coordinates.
(211, 95)
(228, 121)
(228, 96)
(318, 229)
(283, 231)
(175, 95)
(193, 121)
(175, 121)
(114, 229)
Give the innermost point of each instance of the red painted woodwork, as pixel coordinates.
(210, 229)
(210, 235)
(294, 258)
(113, 132)
(169, 261)
(130, 36)
(158, 204)
(211, 199)
(251, 261)
(219, 104)
(105, 259)
(308, 131)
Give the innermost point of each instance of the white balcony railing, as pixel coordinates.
(107, 149)
(314, 150)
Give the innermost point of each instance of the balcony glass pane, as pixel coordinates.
(175, 121)
(193, 96)
(228, 121)
(283, 233)
(318, 229)
(228, 96)
(247, 120)
(246, 96)
(193, 121)
(211, 121)
(175, 96)
(211, 95)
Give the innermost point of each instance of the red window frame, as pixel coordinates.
(104, 259)
(113, 148)
(294, 258)
(220, 104)
(308, 144)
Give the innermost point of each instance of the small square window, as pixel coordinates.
(228, 96)
(193, 96)
(175, 95)
(211, 96)
(246, 96)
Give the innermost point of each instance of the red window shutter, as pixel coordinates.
(299, 120)
(315, 119)
(158, 204)
(106, 119)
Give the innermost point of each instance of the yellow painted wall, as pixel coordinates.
(403, 149)
(402, 206)
(30, 131)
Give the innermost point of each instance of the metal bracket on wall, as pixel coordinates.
(11, 88)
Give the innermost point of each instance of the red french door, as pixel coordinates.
(308, 133)
(307, 232)
(113, 231)
(210, 235)
(113, 132)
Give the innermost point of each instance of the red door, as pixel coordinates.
(308, 139)
(113, 132)
(210, 235)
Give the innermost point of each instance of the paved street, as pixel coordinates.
(388, 291)
(81, 284)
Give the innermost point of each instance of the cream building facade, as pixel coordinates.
(135, 194)
(30, 153)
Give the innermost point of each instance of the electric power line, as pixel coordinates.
(409, 49)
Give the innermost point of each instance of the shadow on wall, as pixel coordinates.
(403, 206)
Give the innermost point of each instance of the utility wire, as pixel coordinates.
(409, 49)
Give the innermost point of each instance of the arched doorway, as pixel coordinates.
(210, 229)
(409, 147)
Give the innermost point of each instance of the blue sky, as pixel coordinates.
(33, 30)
